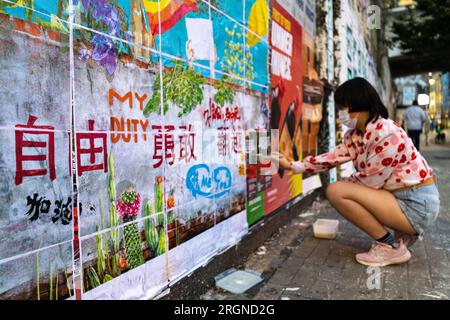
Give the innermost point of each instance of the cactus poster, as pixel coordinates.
(121, 158)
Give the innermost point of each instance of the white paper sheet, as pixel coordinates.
(200, 39)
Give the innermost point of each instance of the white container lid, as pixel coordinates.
(325, 228)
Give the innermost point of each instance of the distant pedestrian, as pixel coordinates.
(415, 118)
(427, 128)
(393, 186)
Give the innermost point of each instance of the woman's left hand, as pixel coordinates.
(280, 161)
(298, 167)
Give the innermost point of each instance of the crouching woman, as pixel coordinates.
(393, 186)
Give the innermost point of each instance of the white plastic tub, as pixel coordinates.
(325, 228)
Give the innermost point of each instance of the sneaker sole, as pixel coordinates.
(398, 260)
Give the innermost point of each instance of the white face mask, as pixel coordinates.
(344, 117)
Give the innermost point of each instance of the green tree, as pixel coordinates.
(423, 33)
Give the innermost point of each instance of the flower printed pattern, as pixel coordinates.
(128, 205)
(105, 50)
(384, 157)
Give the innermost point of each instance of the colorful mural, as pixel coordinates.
(127, 128)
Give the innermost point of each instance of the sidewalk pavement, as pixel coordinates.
(297, 266)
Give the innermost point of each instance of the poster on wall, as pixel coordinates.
(312, 99)
(256, 122)
(256, 126)
(311, 110)
(123, 222)
(285, 103)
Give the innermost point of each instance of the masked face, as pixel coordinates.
(344, 117)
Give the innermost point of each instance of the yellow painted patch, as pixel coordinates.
(152, 6)
(258, 22)
(295, 184)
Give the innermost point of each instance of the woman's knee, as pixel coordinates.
(334, 191)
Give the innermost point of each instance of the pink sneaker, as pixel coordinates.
(382, 254)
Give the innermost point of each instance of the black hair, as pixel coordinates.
(358, 94)
(415, 103)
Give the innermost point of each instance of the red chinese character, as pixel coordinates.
(21, 143)
(187, 144)
(233, 116)
(92, 150)
(222, 141)
(213, 113)
(236, 142)
(169, 143)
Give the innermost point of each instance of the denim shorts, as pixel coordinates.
(420, 205)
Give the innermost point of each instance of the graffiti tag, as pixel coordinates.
(201, 182)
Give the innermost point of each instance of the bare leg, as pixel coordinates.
(369, 209)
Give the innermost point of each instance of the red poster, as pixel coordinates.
(285, 103)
